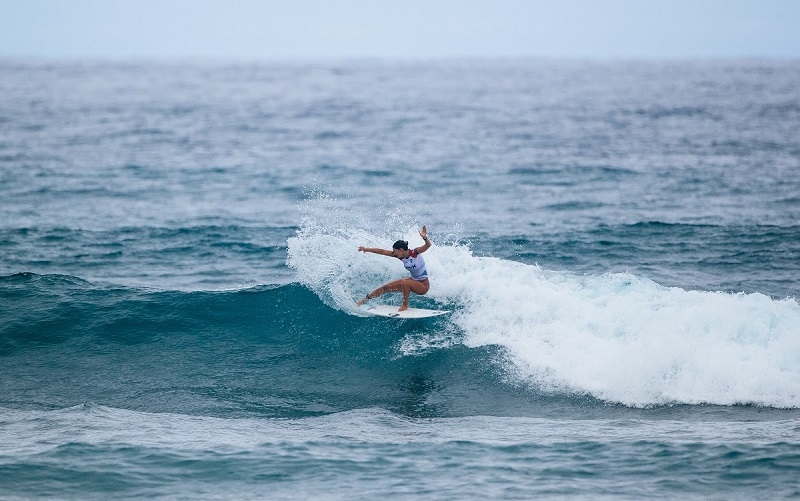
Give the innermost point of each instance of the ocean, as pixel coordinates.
(617, 241)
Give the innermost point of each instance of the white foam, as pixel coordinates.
(626, 339)
(618, 337)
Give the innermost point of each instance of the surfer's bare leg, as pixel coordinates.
(404, 285)
(406, 289)
(380, 291)
(409, 285)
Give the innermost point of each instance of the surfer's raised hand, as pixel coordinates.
(424, 234)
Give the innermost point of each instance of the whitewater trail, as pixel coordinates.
(617, 336)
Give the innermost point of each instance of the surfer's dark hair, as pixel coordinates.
(400, 244)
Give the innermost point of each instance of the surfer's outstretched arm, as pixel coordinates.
(375, 250)
(386, 252)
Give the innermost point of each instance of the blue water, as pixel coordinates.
(618, 242)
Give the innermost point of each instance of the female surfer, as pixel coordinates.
(413, 262)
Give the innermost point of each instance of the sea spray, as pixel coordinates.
(616, 336)
(325, 257)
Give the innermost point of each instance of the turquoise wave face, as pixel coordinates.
(272, 351)
(268, 351)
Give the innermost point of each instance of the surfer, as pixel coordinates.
(412, 261)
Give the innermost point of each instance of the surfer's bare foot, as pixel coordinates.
(361, 301)
(403, 307)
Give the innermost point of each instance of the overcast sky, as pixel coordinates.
(317, 29)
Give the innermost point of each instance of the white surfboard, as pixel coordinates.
(385, 310)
